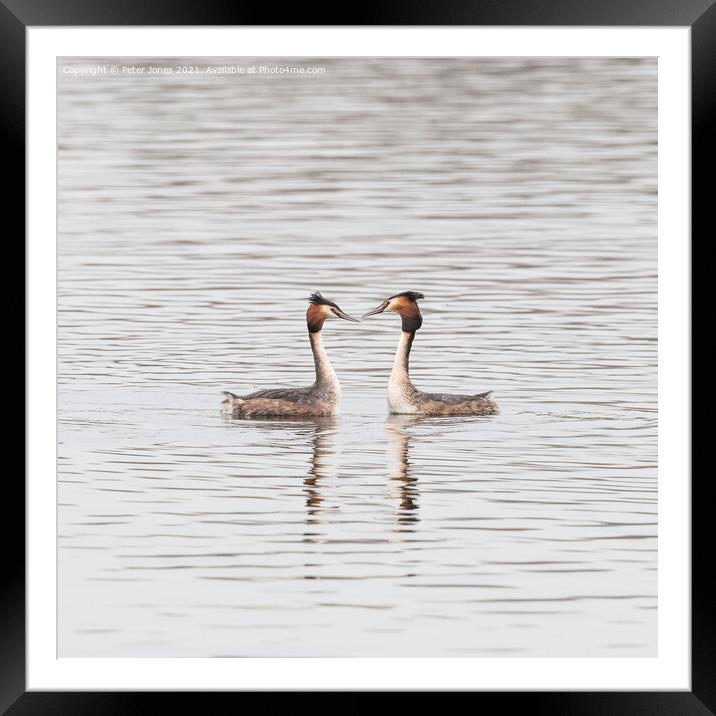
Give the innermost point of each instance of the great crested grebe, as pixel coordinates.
(321, 398)
(403, 396)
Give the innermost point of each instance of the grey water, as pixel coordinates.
(197, 212)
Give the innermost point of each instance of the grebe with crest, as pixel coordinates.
(320, 399)
(403, 396)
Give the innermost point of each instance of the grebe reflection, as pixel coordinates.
(318, 435)
(322, 466)
(397, 429)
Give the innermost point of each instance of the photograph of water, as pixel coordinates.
(199, 207)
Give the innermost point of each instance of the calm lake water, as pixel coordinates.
(196, 214)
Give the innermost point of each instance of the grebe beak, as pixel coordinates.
(379, 309)
(346, 317)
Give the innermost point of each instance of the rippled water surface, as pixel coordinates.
(197, 212)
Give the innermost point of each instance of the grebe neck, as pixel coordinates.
(325, 375)
(400, 370)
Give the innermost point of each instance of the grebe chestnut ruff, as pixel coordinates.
(403, 396)
(321, 398)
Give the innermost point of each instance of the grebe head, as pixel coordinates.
(405, 304)
(321, 309)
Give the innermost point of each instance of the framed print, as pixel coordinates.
(245, 473)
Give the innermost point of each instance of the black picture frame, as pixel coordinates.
(699, 15)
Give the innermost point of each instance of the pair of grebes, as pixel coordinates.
(323, 397)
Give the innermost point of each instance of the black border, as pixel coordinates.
(700, 15)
